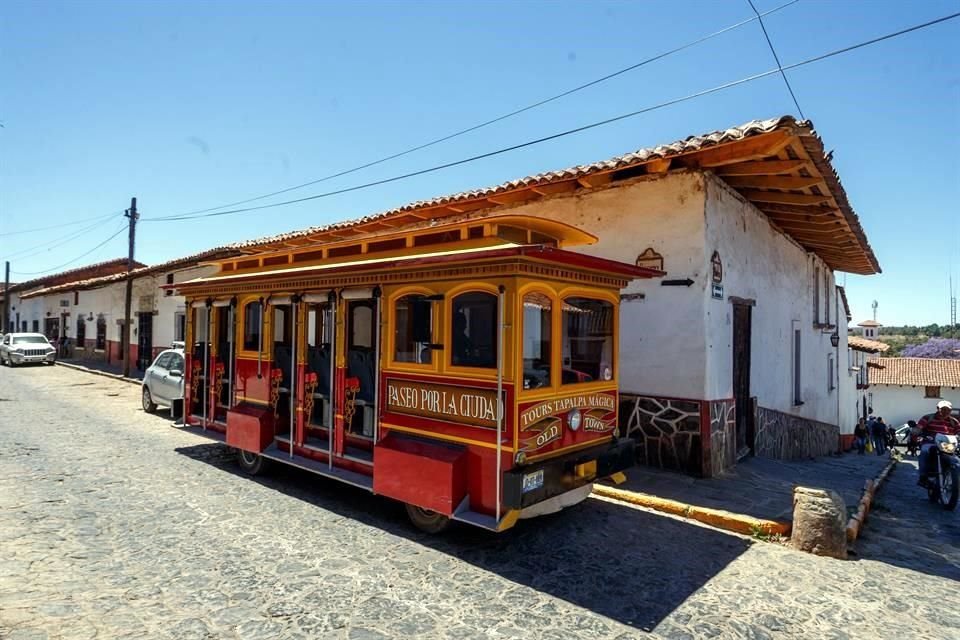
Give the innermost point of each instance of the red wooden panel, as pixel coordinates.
(432, 476)
(249, 428)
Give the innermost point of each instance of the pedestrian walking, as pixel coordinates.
(860, 436)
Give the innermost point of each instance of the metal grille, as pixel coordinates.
(34, 352)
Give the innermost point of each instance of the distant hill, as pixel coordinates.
(901, 337)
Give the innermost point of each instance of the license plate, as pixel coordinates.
(532, 481)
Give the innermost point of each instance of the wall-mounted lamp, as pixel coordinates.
(90, 317)
(835, 339)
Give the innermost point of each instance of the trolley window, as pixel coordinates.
(251, 326)
(537, 340)
(587, 340)
(474, 333)
(413, 329)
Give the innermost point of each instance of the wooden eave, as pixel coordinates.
(783, 172)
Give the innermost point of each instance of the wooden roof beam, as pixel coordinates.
(776, 197)
(771, 182)
(772, 207)
(755, 148)
(466, 206)
(555, 188)
(595, 180)
(760, 167)
(658, 166)
(514, 197)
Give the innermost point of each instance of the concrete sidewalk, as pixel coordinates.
(760, 487)
(94, 366)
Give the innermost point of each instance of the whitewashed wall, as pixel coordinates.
(164, 323)
(762, 264)
(897, 404)
(661, 336)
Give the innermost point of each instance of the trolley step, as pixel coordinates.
(320, 468)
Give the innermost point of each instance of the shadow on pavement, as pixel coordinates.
(629, 565)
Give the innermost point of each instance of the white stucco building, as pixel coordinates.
(92, 309)
(905, 389)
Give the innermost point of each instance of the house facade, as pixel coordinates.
(905, 389)
(861, 358)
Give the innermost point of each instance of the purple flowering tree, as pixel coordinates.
(934, 348)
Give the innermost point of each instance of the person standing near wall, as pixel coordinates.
(860, 436)
(879, 433)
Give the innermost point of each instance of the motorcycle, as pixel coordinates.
(943, 481)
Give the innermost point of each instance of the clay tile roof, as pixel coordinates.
(56, 278)
(816, 193)
(870, 346)
(920, 372)
(142, 270)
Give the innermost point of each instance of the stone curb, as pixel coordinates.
(114, 376)
(856, 522)
(736, 522)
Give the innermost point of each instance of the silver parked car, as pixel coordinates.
(24, 348)
(163, 380)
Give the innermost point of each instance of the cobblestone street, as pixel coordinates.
(113, 524)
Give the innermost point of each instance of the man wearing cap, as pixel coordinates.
(939, 422)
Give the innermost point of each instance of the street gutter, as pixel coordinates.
(105, 374)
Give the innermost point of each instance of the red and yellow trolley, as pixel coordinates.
(467, 369)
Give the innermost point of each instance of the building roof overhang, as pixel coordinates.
(779, 165)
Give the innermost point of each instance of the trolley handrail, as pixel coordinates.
(500, 312)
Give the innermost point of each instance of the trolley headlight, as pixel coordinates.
(607, 373)
(573, 419)
(947, 447)
(520, 458)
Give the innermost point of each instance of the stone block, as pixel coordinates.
(819, 522)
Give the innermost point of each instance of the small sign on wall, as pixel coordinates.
(717, 292)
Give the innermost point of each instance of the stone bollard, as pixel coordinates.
(819, 522)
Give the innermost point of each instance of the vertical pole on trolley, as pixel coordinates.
(260, 343)
(206, 363)
(377, 294)
(5, 326)
(333, 371)
(232, 333)
(500, 402)
(293, 369)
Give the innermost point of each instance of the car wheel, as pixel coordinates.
(149, 406)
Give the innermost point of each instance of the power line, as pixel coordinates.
(55, 242)
(777, 60)
(568, 132)
(58, 226)
(82, 255)
(500, 118)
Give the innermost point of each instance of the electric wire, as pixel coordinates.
(500, 118)
(777, 60)
(568, 132)
(55, 242)
(69, 262)
(60, 225)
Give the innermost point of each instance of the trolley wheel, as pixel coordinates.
(427, 520)
(146, 400)
(252, 463)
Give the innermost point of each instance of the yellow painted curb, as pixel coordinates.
(736, 522)
(856, 522)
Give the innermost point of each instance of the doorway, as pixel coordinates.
(742, 320)
(144, 340)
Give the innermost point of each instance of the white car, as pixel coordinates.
(163, 380)
(25, 348)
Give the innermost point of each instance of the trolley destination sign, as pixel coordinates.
(466, 405)
(596, 406)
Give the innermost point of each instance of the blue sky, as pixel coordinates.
(188, 105)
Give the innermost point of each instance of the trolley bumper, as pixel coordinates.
(566, 473)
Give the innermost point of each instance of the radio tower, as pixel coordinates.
(874, 306)
(953, 310)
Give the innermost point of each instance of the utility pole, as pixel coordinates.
(131, 213)
(5, 325)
